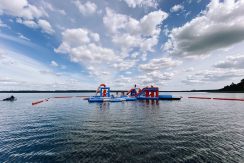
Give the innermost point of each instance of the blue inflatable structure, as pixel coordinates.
(147, 93)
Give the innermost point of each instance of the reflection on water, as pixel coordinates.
(143, 103)
(73, 130)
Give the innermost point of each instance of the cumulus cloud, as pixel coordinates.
(177, 8)
(23, 37)
(156, 77)
(86, 8)
(27, 14)
(219, 26)
(129, 33)
(2, 24)
(213, 75)
(159, 63)
(192, 82)
(141, 3)
(45, 26)
(42, 24)
(124, 64)
(50, 7)
(218, 75)
(231, 62)
(20, 72)
(54, 63)
(190, 69)
(21, 8)
(83, 46)
(28, 23)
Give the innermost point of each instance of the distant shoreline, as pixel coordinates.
(92, 91)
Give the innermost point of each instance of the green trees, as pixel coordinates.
(234, 87)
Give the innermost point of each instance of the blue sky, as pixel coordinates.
(78, 44)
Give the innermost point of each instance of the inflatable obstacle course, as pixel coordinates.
(147, 93)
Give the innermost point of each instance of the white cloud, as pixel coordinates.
(19, 72)
(123, 65)
(235, 62)
(2, 24)
(177, 8)
(28, 23)
(141, 3)
(192, 82)
(27, 14)
(21, 8)
(129, 33)
(146, 26)
(156, 78)
(23, 37)
(159, 63)
(214, 75)
(86, 8)
(219, 26)
(45, 26)
(83, 47)
(54, 63)
(190, 69)
(50, 7)
(18, 40)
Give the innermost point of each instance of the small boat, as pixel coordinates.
(11, 98)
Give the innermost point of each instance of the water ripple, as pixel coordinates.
(75, 131)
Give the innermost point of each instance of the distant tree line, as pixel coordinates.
(234, 87)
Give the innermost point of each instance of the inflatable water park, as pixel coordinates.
(103, 94)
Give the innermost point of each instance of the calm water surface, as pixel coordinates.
(73, 130)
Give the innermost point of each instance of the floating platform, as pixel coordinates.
(168, 97)
(147, 93)
(105, 99)
(127, 98)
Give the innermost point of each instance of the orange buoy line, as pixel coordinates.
(232, 99)
(63, 97)
(56, 97)
(38, 102)
(81, 96)
(209, 98)
(201, 97)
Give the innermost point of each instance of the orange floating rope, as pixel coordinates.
(38, 102)
(201, 97)
(231, 99)
(58, 97)
(63, 97)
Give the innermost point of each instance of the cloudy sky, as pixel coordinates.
(78, 44)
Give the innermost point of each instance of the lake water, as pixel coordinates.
(72, 130)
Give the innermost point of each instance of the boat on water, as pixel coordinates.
(11, 98)
(134, 94)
